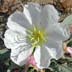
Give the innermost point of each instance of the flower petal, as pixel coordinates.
(42, 57)
(56, 32)
(49, 20)
(13, 39)
(20, 56)
(33, 11)
(49, 16)
(20, 48)
(55, 48)
(18, 22)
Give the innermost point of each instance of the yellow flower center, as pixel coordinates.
(37, 37)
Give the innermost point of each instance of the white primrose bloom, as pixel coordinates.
(35, 31)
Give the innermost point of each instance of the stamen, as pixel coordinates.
(37, 37)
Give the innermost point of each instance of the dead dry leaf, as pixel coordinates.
(64, 5)
(9, 6)
(38, 1)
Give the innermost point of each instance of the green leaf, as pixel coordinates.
(61, 67)
(13, 66)
(66, 23)
(3, 51)
(31, 69)
(4, 54)
(64, 68)
(68, 20)
(70, 43)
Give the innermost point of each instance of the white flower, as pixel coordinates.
(37, 27)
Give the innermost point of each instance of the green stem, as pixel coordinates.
(33, 50)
